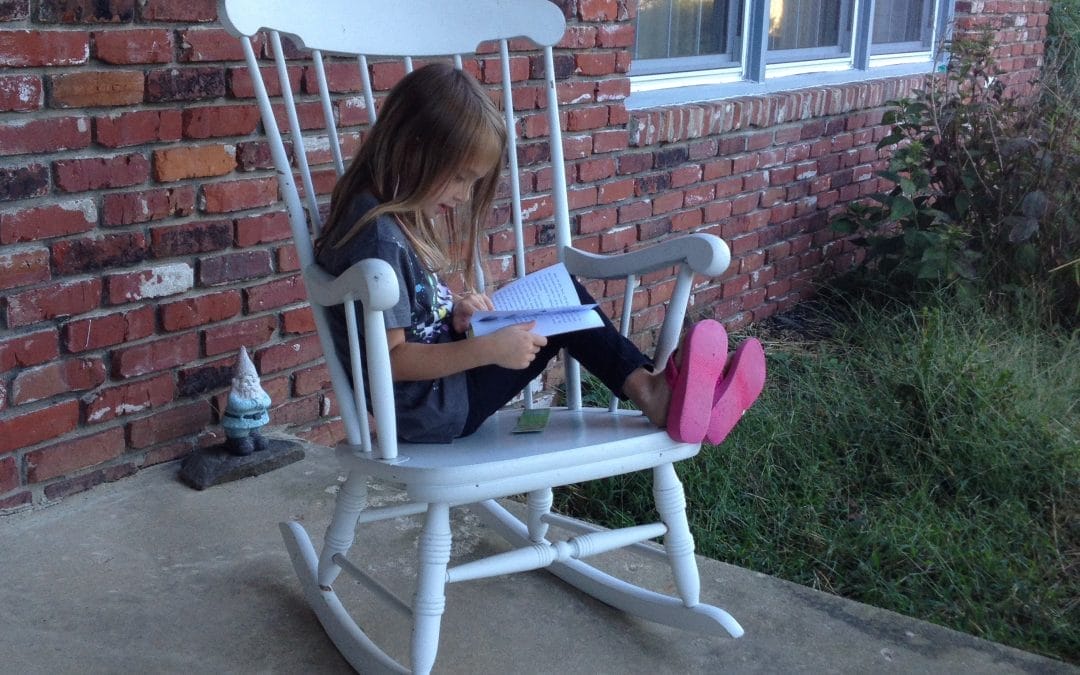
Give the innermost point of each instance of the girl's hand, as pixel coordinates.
(515, 347)
(465, 307)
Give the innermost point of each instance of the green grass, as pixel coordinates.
(922, 461)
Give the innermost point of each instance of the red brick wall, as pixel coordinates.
(141, 243)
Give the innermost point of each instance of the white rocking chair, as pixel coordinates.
(579, 444)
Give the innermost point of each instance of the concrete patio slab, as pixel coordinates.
(146, 575)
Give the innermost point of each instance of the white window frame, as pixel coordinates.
(755, 74)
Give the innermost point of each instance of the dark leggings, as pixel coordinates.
(603, 351)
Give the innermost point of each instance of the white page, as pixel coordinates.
(548, 287)
(546, 296)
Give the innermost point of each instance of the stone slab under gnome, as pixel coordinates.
(245, 452)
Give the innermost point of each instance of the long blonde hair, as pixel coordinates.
(435, 122)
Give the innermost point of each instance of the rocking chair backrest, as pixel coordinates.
(362, 28)
(410, 28)
(413, 28)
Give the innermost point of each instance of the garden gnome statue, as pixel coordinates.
(246, 409)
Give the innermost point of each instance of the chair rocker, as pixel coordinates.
(579, 444)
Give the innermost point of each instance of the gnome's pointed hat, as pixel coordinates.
(246, 379)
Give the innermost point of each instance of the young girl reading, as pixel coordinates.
(417, 190)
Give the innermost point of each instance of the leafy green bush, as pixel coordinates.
(925, 461)
(983, 185)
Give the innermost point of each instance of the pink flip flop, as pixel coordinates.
(704, 352)
(737, 390)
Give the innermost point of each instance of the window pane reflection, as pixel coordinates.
(686, 28)
(809, 29)
(902, 25)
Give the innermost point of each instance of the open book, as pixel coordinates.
(546, 296)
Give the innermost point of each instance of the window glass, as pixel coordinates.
(808, 29)
(902, 26)
(699, 50)
(687, 34)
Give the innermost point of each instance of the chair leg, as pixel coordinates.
(340, 534)
(430, 600)
(538, 506)
(678, 542)
(358, 649)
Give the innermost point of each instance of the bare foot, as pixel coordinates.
(650, 392)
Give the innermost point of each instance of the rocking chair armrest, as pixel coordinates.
(371, 281)
(705, 254)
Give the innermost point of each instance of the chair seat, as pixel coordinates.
(574, 446)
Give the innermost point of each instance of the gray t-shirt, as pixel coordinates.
(428, 411)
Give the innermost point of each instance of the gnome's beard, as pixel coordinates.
(247, 387)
